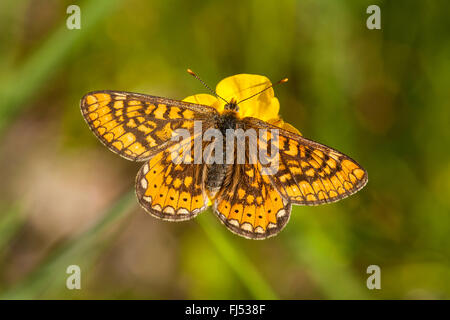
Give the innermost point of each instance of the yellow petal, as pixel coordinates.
(286, 126)
(264, 106)
(201, 98)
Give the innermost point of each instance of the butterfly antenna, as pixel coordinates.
(271, 86)
(205, 85)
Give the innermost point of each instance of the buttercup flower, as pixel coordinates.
(241, 86)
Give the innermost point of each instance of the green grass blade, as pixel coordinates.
(17, 89)
(11, 220)
(326, 263)
(237, 260)
(44, 276)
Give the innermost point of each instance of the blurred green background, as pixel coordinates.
(381, 96)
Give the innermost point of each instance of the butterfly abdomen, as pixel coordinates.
(217, 172)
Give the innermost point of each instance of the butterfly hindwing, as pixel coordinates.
(250, 206)
(169, 189)
(138, 126)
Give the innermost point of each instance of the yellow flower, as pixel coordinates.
(241, 86)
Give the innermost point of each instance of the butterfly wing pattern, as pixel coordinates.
(251, 206)
(171, 190)
(308, 173)
(139, 127)
(311, 173)
(249, 203)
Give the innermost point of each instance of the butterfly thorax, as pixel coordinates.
(227, 120)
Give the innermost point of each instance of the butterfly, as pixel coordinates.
(247, 200)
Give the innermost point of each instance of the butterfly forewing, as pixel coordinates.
(310, 173)
(138, 126)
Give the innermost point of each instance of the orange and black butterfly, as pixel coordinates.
(250, 203)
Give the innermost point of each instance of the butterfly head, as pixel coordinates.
(232, 105)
